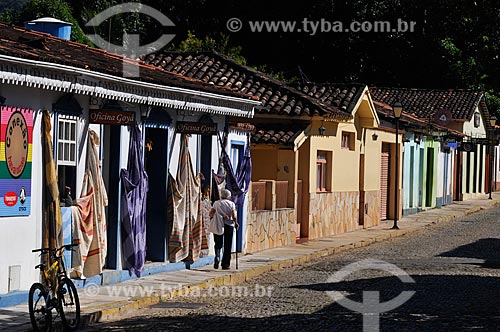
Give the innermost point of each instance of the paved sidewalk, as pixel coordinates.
(101, 303)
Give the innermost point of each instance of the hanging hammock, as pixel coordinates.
(133, 207)
(52, 235)
(89, 217)
(237, 183)
(184, 210)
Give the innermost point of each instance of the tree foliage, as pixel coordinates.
(59, 9)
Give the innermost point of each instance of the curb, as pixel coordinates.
(116, 309)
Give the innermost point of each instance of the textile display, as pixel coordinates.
(52, 235)
(134, 182)
(184, 210)
(89, 218)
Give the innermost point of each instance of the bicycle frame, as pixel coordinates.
(57, 290)
(52, 274)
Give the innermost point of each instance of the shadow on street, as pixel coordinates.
(486, 249)
(441, 303)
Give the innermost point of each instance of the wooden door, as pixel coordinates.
(384, 182)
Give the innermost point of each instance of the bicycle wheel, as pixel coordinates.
(69, 304)
(40, 315)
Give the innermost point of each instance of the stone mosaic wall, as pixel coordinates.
(333, 213)
(371, 208)
(271, 229)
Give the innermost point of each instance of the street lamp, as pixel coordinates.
(397, 108)
(493, 121)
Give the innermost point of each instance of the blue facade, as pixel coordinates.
(412, 175)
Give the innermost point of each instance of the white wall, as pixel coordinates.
(451, 174)
(496, 168)
(19, 235)
(472, 131)
(440, 174)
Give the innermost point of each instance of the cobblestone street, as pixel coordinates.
(456, 267)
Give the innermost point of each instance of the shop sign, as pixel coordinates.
(196, 128)
(244, 126)
(120, 118)
(468, 147)
(443, 117)
(16, 137)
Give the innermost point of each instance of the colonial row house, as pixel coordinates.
(312, 151)
(71, 122)
(307, 137)
(446, 156)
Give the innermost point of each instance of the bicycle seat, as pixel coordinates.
(40, 266)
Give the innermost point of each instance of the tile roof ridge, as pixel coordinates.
(426, 89)
(266, 78)
(327, 83)
(356, 97)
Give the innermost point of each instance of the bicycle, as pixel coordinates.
(55, 291)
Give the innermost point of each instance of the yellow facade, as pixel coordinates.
(346, 196)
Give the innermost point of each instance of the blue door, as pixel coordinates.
(237, 152)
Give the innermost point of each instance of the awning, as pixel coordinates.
(54, 77)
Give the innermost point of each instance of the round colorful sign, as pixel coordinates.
(10, 198)
(16, 144)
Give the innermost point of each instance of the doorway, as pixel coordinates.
(429, 188)
(156, 165)
(361, 190)
(384, 181)
(445, 182)
(237, 154)
(412, 174)
(457, 170)
(421, 178)
(111, 174)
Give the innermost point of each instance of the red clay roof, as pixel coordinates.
(276, 134)
(28, 44)
(277, 97)
(343, 96)
(414, 121)
(424, 103)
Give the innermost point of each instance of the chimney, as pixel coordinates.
(53, 26)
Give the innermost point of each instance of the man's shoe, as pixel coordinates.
(216, 263)
(225, 267)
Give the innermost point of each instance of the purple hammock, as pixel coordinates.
(134, 181)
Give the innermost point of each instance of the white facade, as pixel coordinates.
(19, 235)
(445, 177)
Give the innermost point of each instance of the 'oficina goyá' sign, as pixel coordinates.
(121, 118)
(196, 128)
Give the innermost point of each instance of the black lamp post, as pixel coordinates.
(397, 109)
(493, 121)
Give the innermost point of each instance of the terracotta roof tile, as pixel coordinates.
(28, 44)
(338, 95)
(424, 103)
(412, 120)
(276, 134)
(277, 97)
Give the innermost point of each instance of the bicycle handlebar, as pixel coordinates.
(47, 250)
(41, 249)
